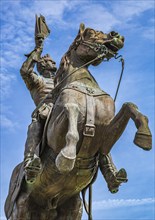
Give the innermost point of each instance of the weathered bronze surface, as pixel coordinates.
(73, 129)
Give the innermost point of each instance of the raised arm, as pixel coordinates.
(41, 32)
(30, 78)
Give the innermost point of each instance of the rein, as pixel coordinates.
(103, 51)
(120, 78)
(100, 56)
(88, 207)
(97, 47)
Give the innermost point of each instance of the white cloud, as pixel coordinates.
(148, 33)
(8, 123)
(114, 203)
(18, 22)
(129, 9)
(6, 81)
(99, 18)
(53, 9)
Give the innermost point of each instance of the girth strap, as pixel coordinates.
(89, 130)
(88, 134)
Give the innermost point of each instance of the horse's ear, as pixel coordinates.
(80, 34)
(82, 28)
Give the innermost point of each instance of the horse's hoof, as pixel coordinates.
(63, 163)
(113, 191)
(121, 176)
(143, 140)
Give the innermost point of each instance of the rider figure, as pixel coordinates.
(40, 87)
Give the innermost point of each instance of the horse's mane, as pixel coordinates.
(65, 60)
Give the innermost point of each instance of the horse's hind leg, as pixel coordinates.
(143, 137)
(115, 128)
(66, 158)
(71, 209)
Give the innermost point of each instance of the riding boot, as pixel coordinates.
(32, 163)
(113, 177)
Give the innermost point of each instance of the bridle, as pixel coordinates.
(96, 47)
(100, 48)
(101, 51)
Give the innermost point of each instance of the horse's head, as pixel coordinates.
(89, 47)
(90, 43)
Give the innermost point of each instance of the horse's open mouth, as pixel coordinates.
(112, 47)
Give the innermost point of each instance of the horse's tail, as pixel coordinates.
(14, 189)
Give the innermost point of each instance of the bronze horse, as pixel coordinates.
(82, 126)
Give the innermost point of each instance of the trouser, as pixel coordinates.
(106, 165)
(108, 169)
(34, 135)
(112, 176)
(36, 128)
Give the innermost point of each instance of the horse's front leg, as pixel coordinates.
(117, 125)
(67, 156)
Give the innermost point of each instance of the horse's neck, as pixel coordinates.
(70, 68)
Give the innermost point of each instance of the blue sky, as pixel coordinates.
(134, 20)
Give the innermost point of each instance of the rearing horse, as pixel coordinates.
(89, 110)
(82, 126)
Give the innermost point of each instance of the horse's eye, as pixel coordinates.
(113, 33)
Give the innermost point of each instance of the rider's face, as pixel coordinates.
(50, 65)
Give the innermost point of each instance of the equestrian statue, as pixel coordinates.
(73, 129)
